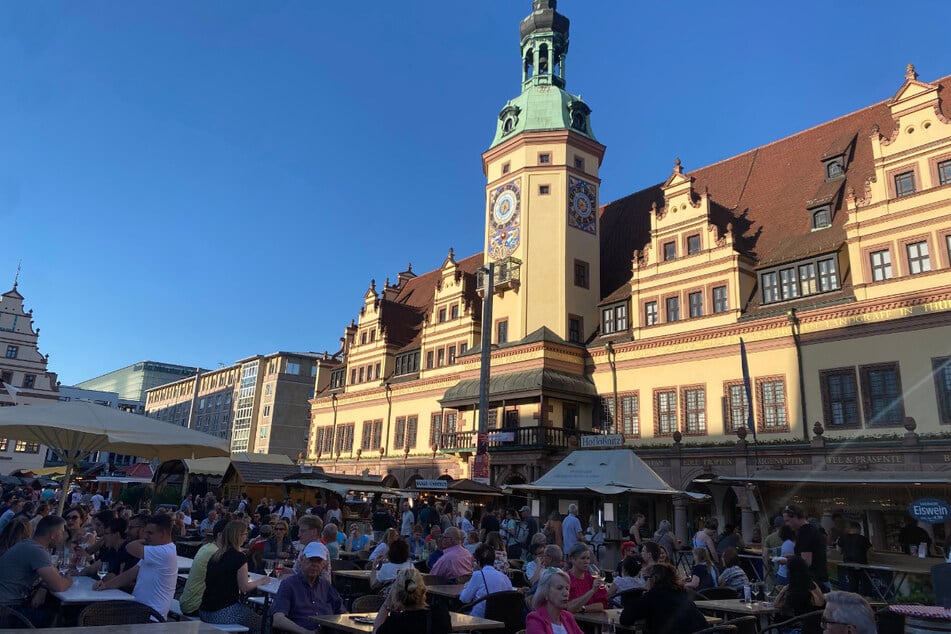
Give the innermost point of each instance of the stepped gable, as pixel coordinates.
(764, 193)
(403, 316)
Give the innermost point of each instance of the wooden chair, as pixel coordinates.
(713, 594)
(368, 603)
(118, 613)
(808, 622)
(744, 624)
(10, 618)
(507, 607)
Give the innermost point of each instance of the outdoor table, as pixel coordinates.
(184, 563)
(888, 589)
(760, 609)
(600, 620)
(347, 554)
(81, 592)
(460, 622)
(354, 574)
(450, 591)
(924, 618)
(171, 627)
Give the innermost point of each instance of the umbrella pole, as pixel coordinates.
(65, 488)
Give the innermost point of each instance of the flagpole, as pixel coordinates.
(748, 388)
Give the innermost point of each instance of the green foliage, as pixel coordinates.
(168, 495)
(136, 496)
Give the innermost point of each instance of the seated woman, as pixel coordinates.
(533, 569)
(551, 615)
(279, 544)
(586, 592)
(397, 558)
(627, 580)
(494, 539)
(665, 606)
(379, 553)
(703, 573)
(801, 594)
(472, 541)
(416, 543)
(732, 575)
(358, 540)
(226, 577)
(486, 580)
(405, 608)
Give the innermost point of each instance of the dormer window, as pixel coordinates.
(614, 318)
(835, 168)
(821, 217)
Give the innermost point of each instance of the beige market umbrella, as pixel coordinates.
(75, 428)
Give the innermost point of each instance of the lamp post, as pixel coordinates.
(333, 429)
(795, 327)
(481, 461)
(612, 358)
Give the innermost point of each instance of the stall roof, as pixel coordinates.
(340, 488)
(463, 487)
(606, 472)
(841, 477)
(217, 466)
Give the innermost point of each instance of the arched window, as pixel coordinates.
(821, 218)
(529, 69)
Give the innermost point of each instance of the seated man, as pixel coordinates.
(847, 613)
(156, 573)
(111, 551)
(306, 594)
(456, 561)
(27, 563)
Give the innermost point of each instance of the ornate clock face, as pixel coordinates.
(505, 219)
(582, 203)
(505, 206)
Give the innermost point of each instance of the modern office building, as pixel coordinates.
(134, 381)
(260, 403)
(24, 378)
(827, 252)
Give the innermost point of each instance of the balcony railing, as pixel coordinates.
(519, 439)
(507, 275)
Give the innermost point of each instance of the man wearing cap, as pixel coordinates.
(306, 594)
(527, 528)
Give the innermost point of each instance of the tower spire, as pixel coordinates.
(16, 278)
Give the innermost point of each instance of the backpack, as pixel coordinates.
(522, 533)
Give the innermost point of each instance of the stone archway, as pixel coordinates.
(411, 481)
(391, 482)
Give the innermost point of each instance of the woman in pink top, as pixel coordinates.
(550, 615)
(586, 592)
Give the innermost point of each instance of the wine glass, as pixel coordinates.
(278, 568)
(103, 570)
(268, 567)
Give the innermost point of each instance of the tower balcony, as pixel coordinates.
(506, 276)
(517, 439)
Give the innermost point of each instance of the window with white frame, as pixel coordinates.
(695, 410)
(809, 277)
(651, 316)
(721, 303)
(918, 258)
(881, 265)
(614, 318)
(665, 410)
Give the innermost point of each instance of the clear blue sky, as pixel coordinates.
(197, 182)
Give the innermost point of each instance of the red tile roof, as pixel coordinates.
(764, 193)
(403, 316)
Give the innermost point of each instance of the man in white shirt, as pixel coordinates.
(287, 510)
(408, 521)
(157, 571)
(97, 501)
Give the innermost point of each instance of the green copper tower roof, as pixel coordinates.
(544, 103)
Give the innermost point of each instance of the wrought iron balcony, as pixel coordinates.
(507, 275)
(518, 439)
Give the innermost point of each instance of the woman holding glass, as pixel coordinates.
(586, 592)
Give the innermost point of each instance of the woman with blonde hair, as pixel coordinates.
(279, 545)
(16, 530)
(703, 575)
(405, 608)
(226, 577)
(551, 605)
(379, 553)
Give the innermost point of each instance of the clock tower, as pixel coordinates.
(542, 225)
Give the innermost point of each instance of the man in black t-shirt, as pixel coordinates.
(810, 545)
(913, 535)
(489, 522)
(854, 548)
(380, 521)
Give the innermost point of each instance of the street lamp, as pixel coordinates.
(612, 358)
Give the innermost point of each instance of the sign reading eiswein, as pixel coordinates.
(929, 510)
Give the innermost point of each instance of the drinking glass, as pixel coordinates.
(268, 566)
(278, 568)
(103, 570)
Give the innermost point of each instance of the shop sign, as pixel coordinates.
(480, 468)
(602, 440)
(930, 510)
(431, 484)
(502, 436)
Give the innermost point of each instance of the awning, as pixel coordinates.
(605, 472)
(462, 488)
(525, 384)
(123, 480)
(207, 466)
(49, 471)
(840, 477)
(339, 488)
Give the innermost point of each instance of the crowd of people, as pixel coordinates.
(42, 553)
